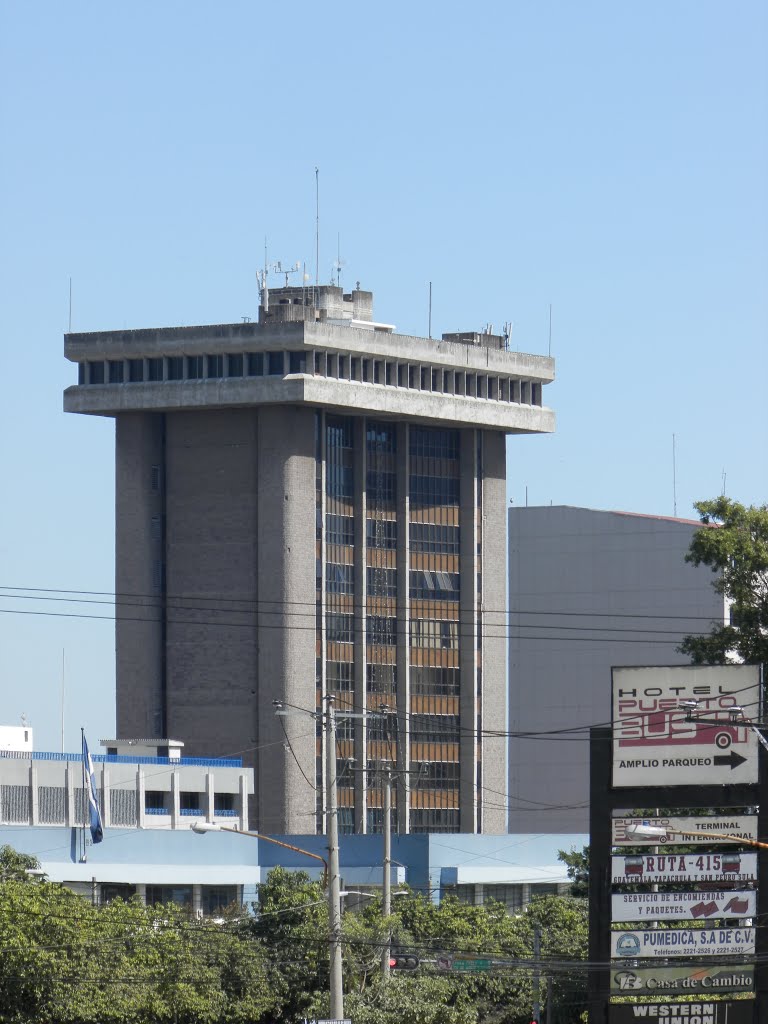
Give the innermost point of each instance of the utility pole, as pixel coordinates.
(536, 976)
(386, 905)
(334, 888)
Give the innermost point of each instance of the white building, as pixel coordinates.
(588, 590)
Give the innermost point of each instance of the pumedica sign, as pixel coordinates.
(676, 942)
(655, 743)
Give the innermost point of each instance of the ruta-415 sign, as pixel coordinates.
(685, 867)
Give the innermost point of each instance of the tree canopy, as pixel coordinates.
(66, 961)
(734, 544)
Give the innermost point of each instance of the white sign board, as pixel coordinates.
(675, 942)
(684, 867)
(654, 744)
(740, 827)
(682, 906)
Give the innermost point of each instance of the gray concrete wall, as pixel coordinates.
(494, 690)
(285, 798)
(139, 506)
(625, 597)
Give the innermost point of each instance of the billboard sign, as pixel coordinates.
(684, 867)
(655, 745)
(669, 942)
(683, 906)
(741, 827)
(682, 980)
(721, 1012)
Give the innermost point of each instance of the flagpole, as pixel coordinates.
(83, 855)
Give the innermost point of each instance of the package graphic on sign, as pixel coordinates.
(656, 740)
(694, 906)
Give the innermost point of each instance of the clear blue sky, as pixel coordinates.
(608, 158)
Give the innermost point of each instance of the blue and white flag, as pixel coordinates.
(94, 813)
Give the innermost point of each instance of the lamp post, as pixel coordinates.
(201, 827)
(661, 832)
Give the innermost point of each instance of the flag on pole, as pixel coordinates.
(94, 813)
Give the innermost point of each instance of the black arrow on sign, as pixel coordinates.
(733, 759)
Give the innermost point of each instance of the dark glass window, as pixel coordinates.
(135, 370)
(339, 675)
(156, 799)
(435, 774)
(339, 529)
(380, 486)
(434, 680)
(158, 894)
(154, 369)
(434, 728)
(434, 819)
(255, 364)
(275, 364)
(81, 373)
(339, 579)
(215, 898)
(116, 371)
(339, 628)
(434, 539)
(190, 802)
(223, 802)
(442, 634)
(175, 367)
(380, 437)
(434, 490)
(382, 630)
(381, 679)
(194, 367)
(381, 533)
(429, 585)
(235, 365)
(97, 373)
(339, 433)
(297, 362)
(381, 582)
(215, 366)
(434, 443)
(339, 481)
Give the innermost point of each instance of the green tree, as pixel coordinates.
(20, 867)
(578, 870)
(733, 542)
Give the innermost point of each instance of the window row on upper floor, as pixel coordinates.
(361, 369)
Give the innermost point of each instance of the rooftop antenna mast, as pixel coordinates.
(317, 232)
(674, 476)
(339, 262)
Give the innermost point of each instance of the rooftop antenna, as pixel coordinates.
(549, 346)
(674, 477)
(507, 333)
(70, 304)
(430, 310)
(339, 262)
(280, 269)
(261, 277)
(317, 231)
(723, 490)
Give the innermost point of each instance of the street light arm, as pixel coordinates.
(657, 831)
(269, 839)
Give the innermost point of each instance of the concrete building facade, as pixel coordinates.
(588, 590)
(307, 506)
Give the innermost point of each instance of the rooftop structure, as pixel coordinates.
(314, 505)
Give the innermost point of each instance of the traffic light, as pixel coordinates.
(403, 962)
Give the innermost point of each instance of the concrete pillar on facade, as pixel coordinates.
(34, 815)
(104, 801)
(69, 796)
(175, 798)
(141, 892)
(210, 794)
(141, 804)
(402, 651)
(360, 622)
(243, 803)
(468, 630)
(197, 900)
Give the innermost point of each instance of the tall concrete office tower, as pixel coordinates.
(315, 505)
